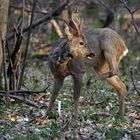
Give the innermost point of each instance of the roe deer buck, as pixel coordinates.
(80, 49)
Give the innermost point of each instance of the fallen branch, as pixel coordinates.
(25, 91)
(133, 104)
(101, 114)
(21, 99)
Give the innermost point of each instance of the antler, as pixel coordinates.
(77, 21)
(75, 25)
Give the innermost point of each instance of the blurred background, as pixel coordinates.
(32, 27)
(95, 13)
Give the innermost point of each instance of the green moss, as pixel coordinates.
(113, 134)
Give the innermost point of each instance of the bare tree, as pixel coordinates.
(4, 4)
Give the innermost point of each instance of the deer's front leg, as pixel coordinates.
(57, 86)
(77, 87)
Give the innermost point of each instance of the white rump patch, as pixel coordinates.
(124, 54)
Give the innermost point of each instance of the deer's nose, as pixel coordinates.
(91, 55)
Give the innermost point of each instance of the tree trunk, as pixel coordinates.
(4, 4)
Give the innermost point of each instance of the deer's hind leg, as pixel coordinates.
(116, 82)
(108, 67)
(111, 58)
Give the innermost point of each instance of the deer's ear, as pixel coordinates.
(68, 32)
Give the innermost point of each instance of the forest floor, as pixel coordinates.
(98, 106)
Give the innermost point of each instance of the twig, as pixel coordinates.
(27, 46)
(104, 5)
(43, 11)
(132, 78)
(14, 60)
(28, 10)
(102, 114)
(132, 12)
(65, 126)
(54, 13)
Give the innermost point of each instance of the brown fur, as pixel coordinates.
(106, 47)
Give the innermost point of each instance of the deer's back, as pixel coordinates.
(105, 39)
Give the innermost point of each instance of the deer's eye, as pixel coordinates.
(81, 43)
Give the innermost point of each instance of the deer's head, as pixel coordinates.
(77, 43)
